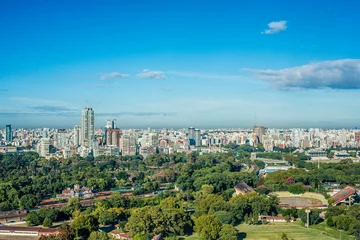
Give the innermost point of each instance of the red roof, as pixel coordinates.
(344, 194)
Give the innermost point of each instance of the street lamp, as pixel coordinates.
(307, 217)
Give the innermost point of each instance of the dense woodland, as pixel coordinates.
(204, 202)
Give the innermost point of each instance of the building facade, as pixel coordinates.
(8, 133)
(87, 127)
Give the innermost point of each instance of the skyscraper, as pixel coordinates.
(77, 140)
(191, 135)
(259, 131)
(87, 127)
(8, 133)
(113, 124)
(61, 139)
(197, 136)
(45, 147)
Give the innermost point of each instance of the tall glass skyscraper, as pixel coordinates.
(8, 133)
(87, 127)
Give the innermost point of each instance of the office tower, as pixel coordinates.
(259, 131)
(113, 137)
(197, 136)
(191, 135)
(45, 133)
(45, 147)
(8, 133)
(108, 124)
(128, 145)
(61, 140)
(77, 133)
(87, 127)
(357, 137)
(113, 124)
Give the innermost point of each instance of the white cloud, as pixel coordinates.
(146, 73)
(275, 27)
(337, 74)
(112, 75)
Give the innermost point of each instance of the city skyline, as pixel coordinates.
(180, 64)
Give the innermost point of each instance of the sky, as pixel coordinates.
(180, 63)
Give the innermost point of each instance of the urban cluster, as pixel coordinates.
(110, 140)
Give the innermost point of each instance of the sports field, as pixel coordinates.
(293, 230)
(301, 200)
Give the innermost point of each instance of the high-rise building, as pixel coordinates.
(87, 127)
(113, 137)
(197, 137)
(191, 135)
(108, 124)
(128, 146)
(8, 133)
(113, 124)
(61, 140)
(259, 131)
(77, 134)
(357, 137)
(45, 147)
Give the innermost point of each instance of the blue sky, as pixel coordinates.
(180, 63)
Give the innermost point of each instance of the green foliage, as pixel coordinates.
(141, 237)
(32, 219)
(50, 213)
(297, 188)
(314, 216)
(47, 222)
(28, 201)
(208, 227)
(154, 220)
(66, 232)
(84, 225)
(284, 236)
(107, 217)
(260, 164)
(225, 217)
(99, 236)
(228, 232)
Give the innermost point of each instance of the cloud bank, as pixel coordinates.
(275, 27)
(112, 75)
(337, 74)
(151, 74)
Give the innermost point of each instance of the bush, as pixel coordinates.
(297, 188)
(47, 222)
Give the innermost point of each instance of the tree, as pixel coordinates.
(51, 213)
(28, 201)
(141, 237)
(297, 188)
(99, 236)
(32, 219)
(84, 225)
(225, 217)
(47, 222)
(208, 227)
(107, 217)
(284, 236)
(66, 232)
(228, 232)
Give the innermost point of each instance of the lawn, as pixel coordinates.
(293, 230)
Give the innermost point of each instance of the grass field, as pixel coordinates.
(293, 230)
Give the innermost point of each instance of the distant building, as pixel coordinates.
(8, 133)
(44, 147)
(191, 135)
(113, 137)
(345, 195)
(242, 188)
(82, 192)
(275, 219)
(259, 132)
(87, 127)
(27, 231)
(197, 136)
(77, 134)
(61, 140)
(128, 145)
(357, 137)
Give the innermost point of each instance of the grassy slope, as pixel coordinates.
(293, 230)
